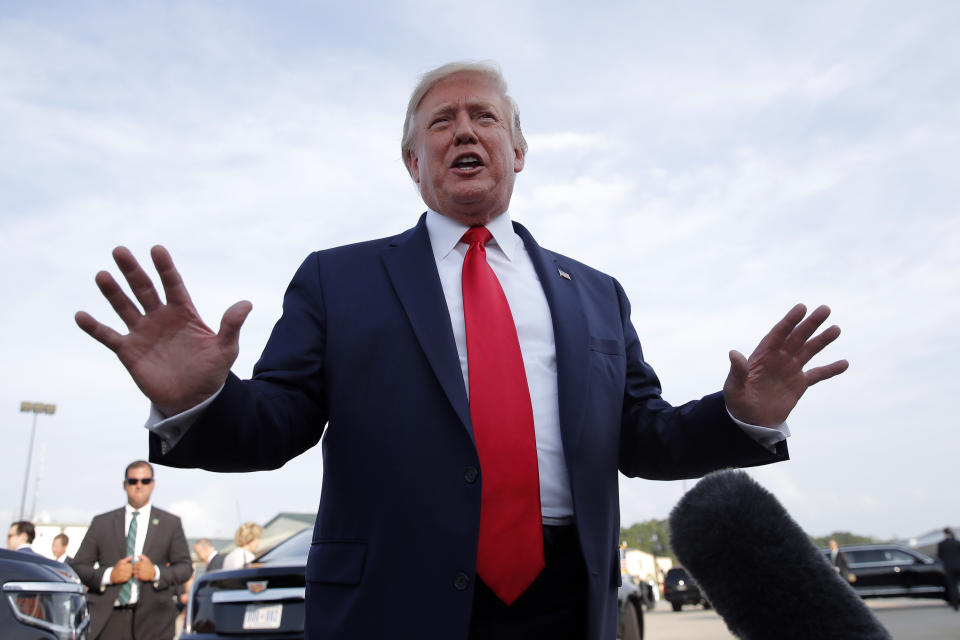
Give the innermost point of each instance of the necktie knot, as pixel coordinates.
(136, 513)
(477, 235)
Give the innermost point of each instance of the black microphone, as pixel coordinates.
(759, 569)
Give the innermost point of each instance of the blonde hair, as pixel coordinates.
(430, 79)
(247, 533)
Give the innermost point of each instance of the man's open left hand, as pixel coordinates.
(764, 388)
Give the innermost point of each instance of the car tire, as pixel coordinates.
(676, 605)
(631, 622)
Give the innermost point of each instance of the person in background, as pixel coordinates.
(208, 554)
(59, 548)
(949, 553)
(21, 535)
(839, 560)
(247, 540)
(132, 559)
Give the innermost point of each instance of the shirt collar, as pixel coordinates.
(144, 511)
(445, 234)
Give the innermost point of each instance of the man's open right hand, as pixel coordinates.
(175, 359)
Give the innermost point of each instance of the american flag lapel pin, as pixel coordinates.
(563, 274)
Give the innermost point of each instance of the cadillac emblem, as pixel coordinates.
(257, 587)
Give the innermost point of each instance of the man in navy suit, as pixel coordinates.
(20, 536)
(372, 350)
(59, 548)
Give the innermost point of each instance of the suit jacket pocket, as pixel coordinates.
(605, 345)
(336, 561)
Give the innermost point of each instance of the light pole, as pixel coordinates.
(36, 408)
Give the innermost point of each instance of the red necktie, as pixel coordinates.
(510, 551)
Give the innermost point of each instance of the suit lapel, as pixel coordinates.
(570, 338)
(118, 532)
(413, 271)
(151, 531)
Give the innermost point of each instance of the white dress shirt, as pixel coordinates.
(143, 519)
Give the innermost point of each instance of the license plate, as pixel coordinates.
(262, 616)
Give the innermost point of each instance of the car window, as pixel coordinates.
(293, 549)
(866, 555)
(895, 555)
(887, 555)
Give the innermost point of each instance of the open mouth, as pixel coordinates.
(467, 162)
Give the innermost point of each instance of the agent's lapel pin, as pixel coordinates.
(563, 274)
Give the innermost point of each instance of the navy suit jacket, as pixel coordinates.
(364, 355)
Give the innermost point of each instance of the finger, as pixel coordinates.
(819, 374)
(173, 287)
(99, 332)
(781, 331)
(233, 319)
(128, 312)
(738, 368)
(140, 283)
(818, 343)
(799, 336)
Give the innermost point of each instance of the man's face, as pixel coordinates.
(138, 494)
(202, 551)
(57, 548)
(463, 156)
(834, 546)
(15, 539)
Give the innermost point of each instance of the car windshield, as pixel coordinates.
(293, 550)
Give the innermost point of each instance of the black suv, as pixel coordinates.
(680, 589)
(43, 599)
(266, 602)
(892, 571)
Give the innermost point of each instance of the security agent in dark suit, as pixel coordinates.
(948, 550)
(370, 348)
(131, 560)
(839, 560)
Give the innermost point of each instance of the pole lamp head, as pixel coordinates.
(37, 407)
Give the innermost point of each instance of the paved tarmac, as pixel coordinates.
(904, 618)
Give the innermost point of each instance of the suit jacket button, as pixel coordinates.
(470, 474)
(461, 581)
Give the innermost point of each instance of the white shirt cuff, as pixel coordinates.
(767, 437)
(171, 429)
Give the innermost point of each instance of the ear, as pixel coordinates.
(518, 158)
(413, 166)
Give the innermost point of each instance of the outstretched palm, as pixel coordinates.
(764, 388)
(175, 359)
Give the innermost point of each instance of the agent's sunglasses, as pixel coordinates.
(133, 481)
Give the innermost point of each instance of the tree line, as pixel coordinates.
(653, 536)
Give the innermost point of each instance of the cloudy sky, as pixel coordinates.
(723, 161)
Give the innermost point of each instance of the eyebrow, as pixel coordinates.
(448, 107)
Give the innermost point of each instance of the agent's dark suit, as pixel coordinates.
(841, 563)
(948, 550)
(105, 543)
(216, 562)
(366, 349)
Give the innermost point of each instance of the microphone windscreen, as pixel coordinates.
(759, 569)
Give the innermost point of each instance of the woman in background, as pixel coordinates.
(247, 540)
